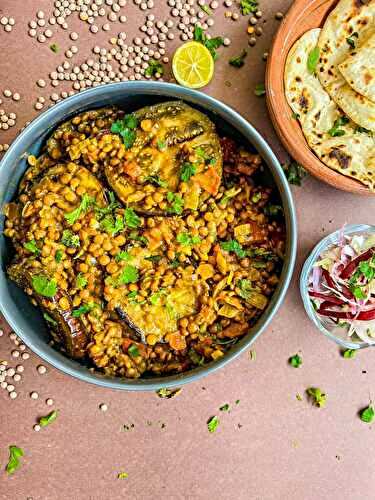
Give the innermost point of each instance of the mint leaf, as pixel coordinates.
(238, 61)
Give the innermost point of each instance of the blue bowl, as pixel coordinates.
(26, 320)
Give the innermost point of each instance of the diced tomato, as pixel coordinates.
(208, 180)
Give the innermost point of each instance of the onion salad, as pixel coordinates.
(342, 286)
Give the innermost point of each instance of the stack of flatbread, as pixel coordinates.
(330, 85)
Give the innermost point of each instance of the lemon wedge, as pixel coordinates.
(193, 65)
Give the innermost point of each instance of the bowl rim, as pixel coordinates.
(234, 119)
(322, 245)
(277, 104)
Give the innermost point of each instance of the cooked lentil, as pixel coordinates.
(167, 272)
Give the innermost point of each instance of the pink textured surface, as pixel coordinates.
(285, 448)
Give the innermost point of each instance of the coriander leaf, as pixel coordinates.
(48, 419)
(128, 136)
(161, 145)
(130, 121)
(176, 203)
(206, 9)
(187, 171)
(54, 47)
(14, 455)
(335, 131)
(260, 90)
(43, 286)
(154, 67)
(122, 475)
(295, 361)
(131, 218)
(85, 204)
(155, 179)
(128, 275)
(165, 393)
(31, 247)
(133, 351)
(135, 236)
(349, 353)
(81, 281)
(69, 239)
(212, 44)
(238, 61)
(224, 407)
(248, 6)
(233, 246)
(350, 40)
(313, 60)
(84, 309)
(318, 397)
(59, 255)
(187, 239)
(294, 173)
(49, 319)
(111, 225)
(273, 210)
(123, 255)
(367, 414)
(212, 424)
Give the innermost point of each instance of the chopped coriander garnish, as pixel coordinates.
(49, 319)
(59, 255)
(212, 424)
(43, 286)
(349, 353)
(295, 116)
(294, 173)
(123, 255)
(165, 393)
(15, 453)
(131, 218)
(350, 40)
(154, 258)
(85, 204)
(122, 475)
(187, 171)
(187, 239)
(155, 297)
(81, 281)
(176, 203)
(126, 128)
(31, 247)
(224, 407)
(336, 131)
(313, 59)
(128, 275)
(318, 397)
(238, 61)
(54, 47)
(154, 67)
(260, 90)
(112, 225)
(248, 6)
(48, 419)
(206, 9)
(256, 197)
(136, 237)
(237, 401)
(155, 179)
(161, 145)
(133, 351)
(367, 414)
(233, 246)
(84, 309)
(211, 44)
(69, 239)
(295, 361)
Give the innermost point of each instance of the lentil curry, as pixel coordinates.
(145, 239)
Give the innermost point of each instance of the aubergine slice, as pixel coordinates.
(66, 329)
(169, 136)
(82, 126)
(160, 312)
(35, 172)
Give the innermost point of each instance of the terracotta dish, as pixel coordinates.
(303, 15)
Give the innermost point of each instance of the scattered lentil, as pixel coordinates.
(34, 395)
